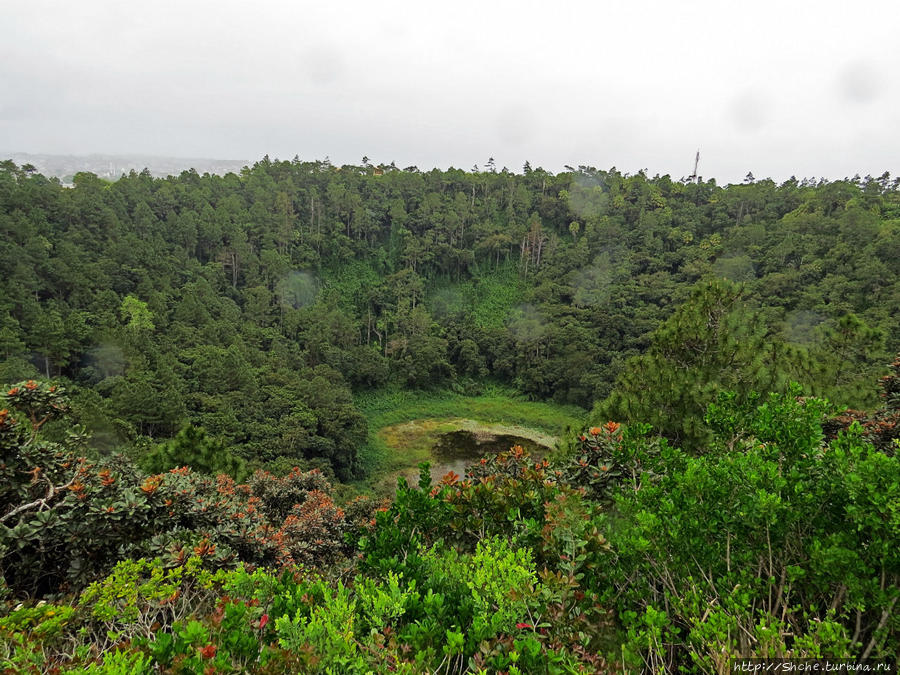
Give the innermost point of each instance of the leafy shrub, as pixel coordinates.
(416, 517)
(58, 510)
(503, 495)
(609, 457)
(66, 521)
(141, 594)
(779, 547)
(279, 495)
(117, 663)
(503, 498)
(32, 636)
(327, 629)
(314, 531)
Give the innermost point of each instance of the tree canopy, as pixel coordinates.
(253, 304)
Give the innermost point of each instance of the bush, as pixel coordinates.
(66, 521)
(770, 545)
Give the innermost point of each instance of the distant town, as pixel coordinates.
(112, 167)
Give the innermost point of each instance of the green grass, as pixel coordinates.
(487, 301)
(496, 295)
(394, 446)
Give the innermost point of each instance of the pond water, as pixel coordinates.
(455, 450)
(451, 445)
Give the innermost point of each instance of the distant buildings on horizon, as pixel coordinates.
(113, 167)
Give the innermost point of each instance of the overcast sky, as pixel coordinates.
(776, 88)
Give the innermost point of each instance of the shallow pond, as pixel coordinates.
(455, 450)
(451, 445)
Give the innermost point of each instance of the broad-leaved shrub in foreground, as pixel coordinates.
(772, 544)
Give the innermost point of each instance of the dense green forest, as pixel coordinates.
(253, 305)
(195, 364)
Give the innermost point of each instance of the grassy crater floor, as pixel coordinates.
(405, 428)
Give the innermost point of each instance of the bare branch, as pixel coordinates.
(42, 502)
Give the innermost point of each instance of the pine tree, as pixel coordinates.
(711, 344)
(193, 448)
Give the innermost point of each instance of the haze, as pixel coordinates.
(779, 89)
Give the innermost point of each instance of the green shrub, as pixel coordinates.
(773, 544)
(65, 521)
(141, 594)
(118, 663)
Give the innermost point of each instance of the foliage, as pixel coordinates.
(881, 428)
(296, 309)
(609, 457)
(707, 346)
(250, 304)
(771, 543)
(66, 520)
(193, 448)
(509, 497)
(764, 547)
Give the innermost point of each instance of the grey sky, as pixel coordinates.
(777, 88)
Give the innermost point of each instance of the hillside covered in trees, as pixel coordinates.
(254, 304)
(191, 364)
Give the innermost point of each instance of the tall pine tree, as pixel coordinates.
(711, 344)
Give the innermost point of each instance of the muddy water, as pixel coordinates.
(451, 445)
(455, 450)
